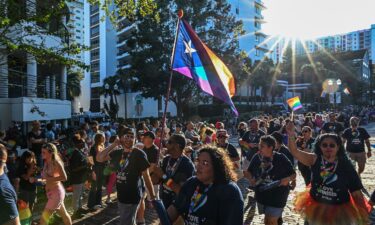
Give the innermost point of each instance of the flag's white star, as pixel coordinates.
(188, 48)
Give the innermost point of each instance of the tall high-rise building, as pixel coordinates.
(76, 24)
(76, 27)
(352, 41)
(108, 54)
(102, 36)
(254, 41)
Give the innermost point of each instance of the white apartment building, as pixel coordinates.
(352, 41)
(108, 54)
(254, 41)
(30, 90)
(76, 24)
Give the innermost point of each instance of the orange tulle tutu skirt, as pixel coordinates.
(324, 214)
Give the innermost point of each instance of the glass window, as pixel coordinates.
(94, 8)
(95, 31)
(94, 19)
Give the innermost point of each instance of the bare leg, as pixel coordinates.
(64, 215)
(141, 211)
(268, 220)
(361, 168)
(45, 216)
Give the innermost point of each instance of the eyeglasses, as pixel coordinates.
(324, 145)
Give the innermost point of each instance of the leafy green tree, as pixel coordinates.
(129, 8)
(264, 76)
(152, 44)
(25, 24)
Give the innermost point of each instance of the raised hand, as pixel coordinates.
(290, 129)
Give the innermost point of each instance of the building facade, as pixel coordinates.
(31, 90)
(352, 41)
(108, 54)
(254, 41)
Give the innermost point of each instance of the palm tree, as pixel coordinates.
(73, 87)
(73, 84)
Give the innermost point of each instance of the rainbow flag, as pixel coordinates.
(192, 58)
(294, 103)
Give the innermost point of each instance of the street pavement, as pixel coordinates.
(109, 215)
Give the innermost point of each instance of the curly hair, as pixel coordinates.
(221, 163)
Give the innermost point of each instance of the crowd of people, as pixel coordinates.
(193, 168)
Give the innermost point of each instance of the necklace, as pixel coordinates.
(198, 199)
(125, 161)
(327, 170)
(171, 170)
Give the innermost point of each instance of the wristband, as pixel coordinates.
(164, 178)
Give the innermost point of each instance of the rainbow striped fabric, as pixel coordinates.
(294, 103)
(195, 60)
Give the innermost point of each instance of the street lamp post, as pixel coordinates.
(333, 87)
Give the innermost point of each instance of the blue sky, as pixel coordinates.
(315, 18)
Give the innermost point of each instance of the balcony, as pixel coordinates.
(262, 48)
(122, 43)
(122, 55)
(259, 19)
(260, 4)
(260, 33)
(123, 67)
(125, 61)
(125, 30)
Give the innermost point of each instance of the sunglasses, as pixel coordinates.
(305, 131)
(221, 136)
(324, 145)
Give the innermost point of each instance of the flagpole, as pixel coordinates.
(180, 15)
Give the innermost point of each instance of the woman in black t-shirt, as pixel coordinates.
(212, 197)
(270, 174)
(335, 196)
(26, 171)
(95, 196)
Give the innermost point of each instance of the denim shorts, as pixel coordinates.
(269, 210)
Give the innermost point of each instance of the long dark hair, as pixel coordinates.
(22, 163)
(341, 155)
(221, 163)
(27, 154)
